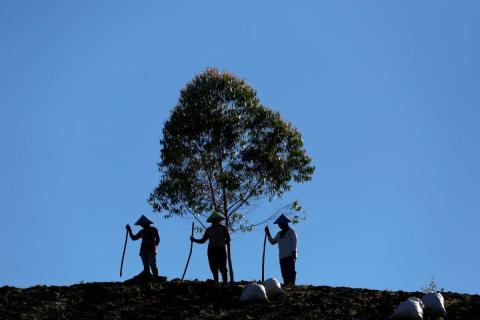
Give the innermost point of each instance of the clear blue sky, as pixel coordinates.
(386, 94)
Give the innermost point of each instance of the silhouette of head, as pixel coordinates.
(215, 218)
(283, 226)
(144, 222)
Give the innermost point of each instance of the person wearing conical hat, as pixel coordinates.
(148, 248)
(218, 237)
(286, 239)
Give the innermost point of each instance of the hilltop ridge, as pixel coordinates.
(203, 300)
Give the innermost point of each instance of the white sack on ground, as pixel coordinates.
(273, 287)
(412, 308)
(434, 304)
(254, 292)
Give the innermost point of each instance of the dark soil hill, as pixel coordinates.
(204, 300)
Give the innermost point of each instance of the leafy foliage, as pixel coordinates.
(432, 287)
(223, 150)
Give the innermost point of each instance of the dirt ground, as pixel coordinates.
(204, 300)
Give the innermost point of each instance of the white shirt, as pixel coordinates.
(286, 245)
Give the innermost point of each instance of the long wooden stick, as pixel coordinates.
(263, 257)
(123, 255)
(190, 253)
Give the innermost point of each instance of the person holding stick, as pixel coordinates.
(287, 248)
(218, 237)
(148, 248)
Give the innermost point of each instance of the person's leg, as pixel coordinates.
(292, 270)
(145, 262)
(212, 263)
(153, 263)
(222, 263)
(283, 269)
(288, 270)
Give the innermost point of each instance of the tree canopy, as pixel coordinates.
(222, 150)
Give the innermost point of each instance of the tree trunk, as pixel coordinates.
(227, 221)
(230, 265)
(229, 255)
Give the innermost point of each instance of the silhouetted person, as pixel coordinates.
(148, 248)
(218, 237)
(287, 248)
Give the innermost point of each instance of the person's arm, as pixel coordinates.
(134, 237)
(293, 238)
(269, 236)
(203, 240)
(157, 237)
(227, 235)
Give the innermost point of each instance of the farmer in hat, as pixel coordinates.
(148, 248)
(287, 248)
(218, 237)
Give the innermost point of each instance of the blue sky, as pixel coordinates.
(386, 95)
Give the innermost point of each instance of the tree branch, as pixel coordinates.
(193, 214)
(271, 217)
(237, 205)
(210, 187)
(224, 192)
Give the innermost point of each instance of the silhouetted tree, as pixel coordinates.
(222, 150)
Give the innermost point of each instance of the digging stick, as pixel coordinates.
(189, 254)
(123, 254)
(263, 257)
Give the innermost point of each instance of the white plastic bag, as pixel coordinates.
(412, 308)
(254, 292)
(273, 288)
(434, 304)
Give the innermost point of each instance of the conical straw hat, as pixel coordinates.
(282, 219)
(215, 216)
(143, 220)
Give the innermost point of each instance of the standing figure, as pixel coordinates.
(218, 237)
(148, 248)
(287, 248)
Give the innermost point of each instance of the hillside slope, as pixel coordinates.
(203, 300)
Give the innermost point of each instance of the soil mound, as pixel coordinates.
(157, 299)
